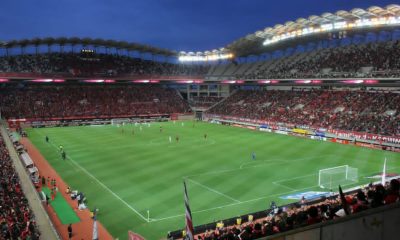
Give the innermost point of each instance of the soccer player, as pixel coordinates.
(61, 148)
(205, 136)
(177, 138)
(253, 155)
(53, 195)
(160, 128)
(47, 139)
(170, 139)
(64, 155)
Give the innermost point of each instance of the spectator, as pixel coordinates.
(16, 218)
(326, 210)
(360, 111)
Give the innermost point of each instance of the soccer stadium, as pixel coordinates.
(290, 132)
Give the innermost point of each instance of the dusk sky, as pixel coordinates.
(191, 25)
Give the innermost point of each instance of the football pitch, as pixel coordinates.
(129, 173)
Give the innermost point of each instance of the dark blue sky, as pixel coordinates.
(196, 25)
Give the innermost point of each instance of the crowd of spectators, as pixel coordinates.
(16, 219)
(33, 101)
(204, 101)
(378, 59)
(363, 111)
(97, 65)
(303, 214)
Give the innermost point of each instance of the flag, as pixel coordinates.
(134, 236)
(384, 173)
(343, 200)
(95, 233)
(189, 223)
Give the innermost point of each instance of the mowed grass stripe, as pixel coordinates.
(101, 184)
(146, 171)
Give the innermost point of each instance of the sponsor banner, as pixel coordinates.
(339, 141)
(283, 129)
(88, 118)
(244, 126)
(367, 145)
(318, 138)
(299, 130)
(265, 130)
(281, 132)
(365, 136)
(320, 131)
(307, 195)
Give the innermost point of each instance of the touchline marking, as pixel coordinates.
(215, 172)
(104, 186)
(213, 190)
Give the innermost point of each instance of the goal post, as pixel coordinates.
(330, 177)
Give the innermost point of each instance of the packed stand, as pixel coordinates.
(358, 60)
(97, 65)
(16, 219)
(362, 111)
(204, 101)
(302, 214)
(43, 102)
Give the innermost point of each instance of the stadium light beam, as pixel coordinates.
(335, 26)
(201, 58)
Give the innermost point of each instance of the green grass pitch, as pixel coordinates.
(125, 175)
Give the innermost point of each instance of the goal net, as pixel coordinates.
(120, 121)
(331, 177)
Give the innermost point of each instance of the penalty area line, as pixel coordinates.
(232, 204)
(213, 190)
(257, 199)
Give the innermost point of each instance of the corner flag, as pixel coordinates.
(384, 173)
(189, 223)
(95, 233)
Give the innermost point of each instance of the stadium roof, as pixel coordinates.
(251, 43)
(63, 41)
(357, 18)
